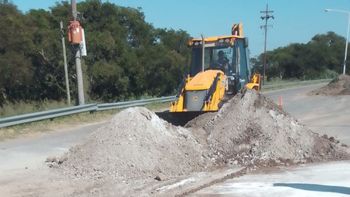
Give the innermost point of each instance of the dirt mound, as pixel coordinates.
(137, 148)
(251, 130)
(338, 86)
(136, 144)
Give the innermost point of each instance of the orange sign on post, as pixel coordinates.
(75, 35)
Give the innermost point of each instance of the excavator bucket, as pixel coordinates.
(178, 118)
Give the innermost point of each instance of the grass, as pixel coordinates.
(281, 84)
(65, 122)
(12, 109)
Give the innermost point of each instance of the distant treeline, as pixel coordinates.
(322, 57)
(127, 57)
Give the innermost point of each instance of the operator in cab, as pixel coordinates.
(222, 62)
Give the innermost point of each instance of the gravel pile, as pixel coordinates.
(137, 147)
(251, 130)
(338, 86)
(136, 144)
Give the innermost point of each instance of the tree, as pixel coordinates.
(127, 57)
(319, 58)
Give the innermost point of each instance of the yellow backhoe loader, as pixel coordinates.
(219, 69)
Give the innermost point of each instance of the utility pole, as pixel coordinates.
(267, 14)
(77, 31)
(65, 64)
(347, 12)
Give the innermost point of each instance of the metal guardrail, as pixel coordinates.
(50, 114)
(108, 106)
(26, 118)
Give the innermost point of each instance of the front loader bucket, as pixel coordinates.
(178, 118)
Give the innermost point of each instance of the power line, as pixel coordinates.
(267, 14)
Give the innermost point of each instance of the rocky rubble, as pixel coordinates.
(338, 86)
(136, 144)
(251, 130)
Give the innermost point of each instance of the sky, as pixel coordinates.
(295, 21)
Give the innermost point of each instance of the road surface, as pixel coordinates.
(323, 114)
(31, 152)
(326, 115)
(322, 180)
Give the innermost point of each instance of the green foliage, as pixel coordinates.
(321, 57)
(127, 57)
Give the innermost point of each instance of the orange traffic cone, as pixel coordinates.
(280, 102)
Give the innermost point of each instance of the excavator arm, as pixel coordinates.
(255, 82)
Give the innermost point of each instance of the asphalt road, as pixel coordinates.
(321, 180)
(323, 114)
(31, 152)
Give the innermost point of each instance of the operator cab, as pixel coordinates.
(227, 53)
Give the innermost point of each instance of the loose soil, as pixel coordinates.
(137, 149)
(338, 86)
(251, 130)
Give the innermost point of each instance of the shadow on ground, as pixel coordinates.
(315, 187)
